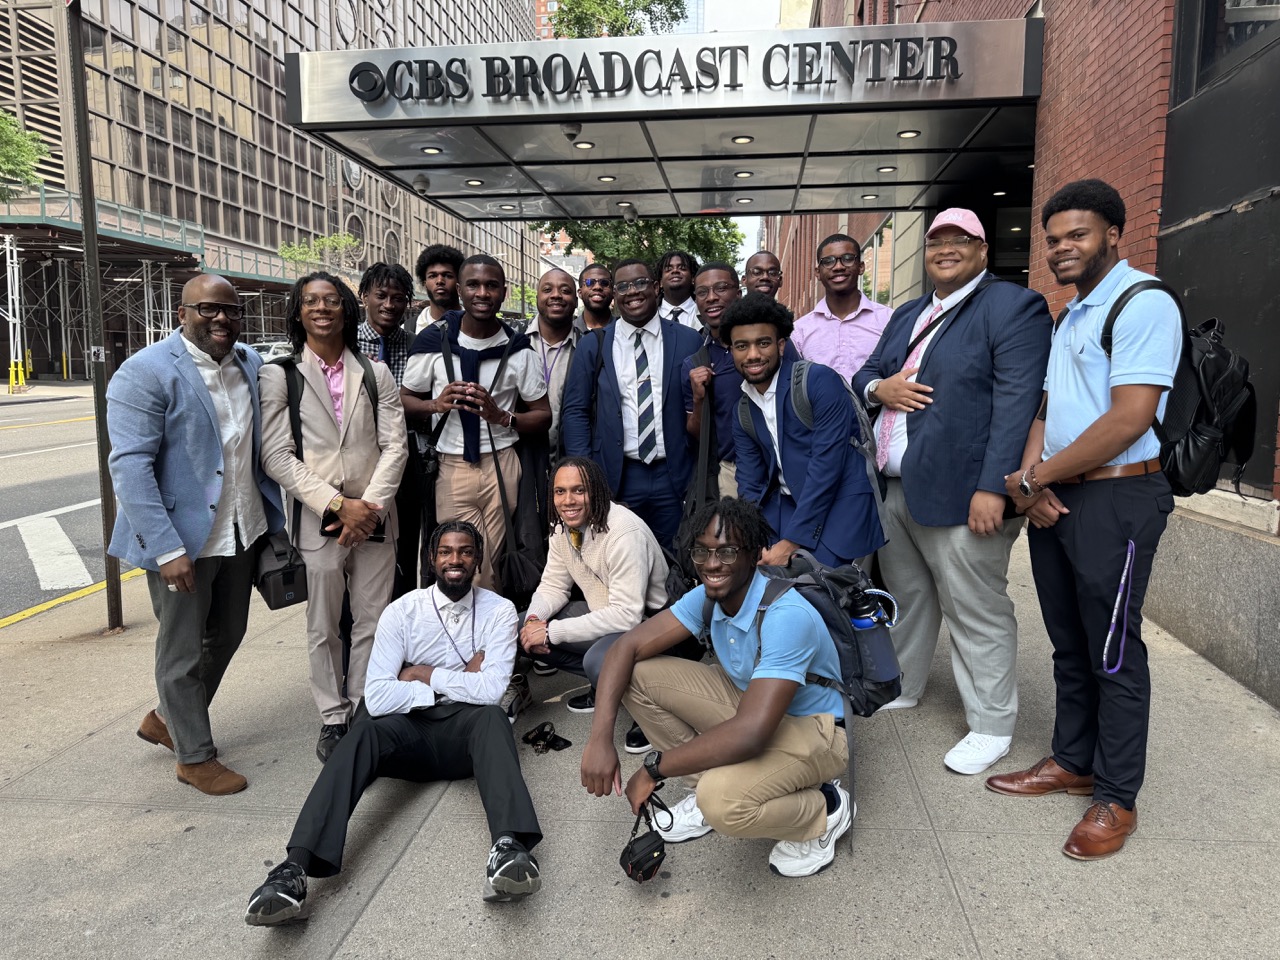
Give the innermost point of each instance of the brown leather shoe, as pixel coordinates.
(154, 730)
(1043, 778)
(1101, 832)
(211, 777)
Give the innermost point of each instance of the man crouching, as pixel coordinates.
(758, 742)
(441, 661)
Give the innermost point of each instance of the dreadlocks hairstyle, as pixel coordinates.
(597, 493)
(294, 330)
(670, 255)
(438, 253)
(1095, 196)
(742, 517)
(456, 526)
(385, 274)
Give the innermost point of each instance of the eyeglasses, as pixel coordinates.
(773, 273)
(948, 243)
(590, 282)
(626, 286)
(726, 555)
(848, 259)
(719, 289)
(311, 300)
(210, 310)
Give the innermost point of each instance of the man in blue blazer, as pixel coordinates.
(623, 406)
(958, 376)
(185, 429)
(810, 481)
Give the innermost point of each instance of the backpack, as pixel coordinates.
(1212, 410)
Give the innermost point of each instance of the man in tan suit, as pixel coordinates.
(341, 485)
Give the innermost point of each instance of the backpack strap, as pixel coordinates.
(370, 380)
(1122, 301)
(293, 394)
(800, 403)
(744, 418)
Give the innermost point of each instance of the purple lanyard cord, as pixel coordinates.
(1122, 595)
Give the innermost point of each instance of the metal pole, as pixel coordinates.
(93, 307)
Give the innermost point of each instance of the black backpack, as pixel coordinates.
(1211, 412)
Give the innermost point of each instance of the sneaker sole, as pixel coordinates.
(638, 750)
(290, 911)
(502, 888)
(841, 830)
(685, 839)
(545, 671)
(975, 770)
(590, 709)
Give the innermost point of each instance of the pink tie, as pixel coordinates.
(887, 416)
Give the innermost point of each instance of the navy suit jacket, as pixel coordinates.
(831, 511)
(986, 365)
(602, 440)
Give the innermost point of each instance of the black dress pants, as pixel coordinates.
(1100, 725)
(447, 742)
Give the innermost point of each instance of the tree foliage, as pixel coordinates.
(707, 238)
(20, 150)
(521, 299)
(339, 251)
(615, 18)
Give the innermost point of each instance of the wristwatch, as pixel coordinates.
(651, 761)
(336, 503)
(1025, 482)
(872, 387)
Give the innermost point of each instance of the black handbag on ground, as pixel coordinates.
(643, 855)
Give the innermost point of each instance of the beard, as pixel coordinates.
(1091, 269)
(454, 591)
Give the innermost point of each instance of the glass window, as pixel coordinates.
(266, 134)
(271, 234)
(248, 159)
(181, 129)
(128, 101)
(187, 208)
(157, 157)
(156, 114)
(286, 207)
(96, 90)
(149, 32)
(95, 44)
(123, 61)
(231, 221)
(244, 121)
(160, 195)
(250, 193)
(122, 20)
(268, 200)
(208, 177)
(176, 48)
(252, 231)
(184, 165)
(268, 168)
(210, 214)
(131, 188)
(206, 138)
(230, 185)
(1235, 30)
(151, 73)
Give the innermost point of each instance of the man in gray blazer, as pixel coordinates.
(185, 428)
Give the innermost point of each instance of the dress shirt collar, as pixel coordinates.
(823, 310)
(653, 329)
(201, 357)
(766, 398)
(460, 607)
(328, 370)
(744, 619)
(688, 309)
(949, 301)
(1105, 288)
(367, 331)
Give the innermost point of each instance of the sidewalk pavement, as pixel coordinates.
(39, 391)
(107, 855)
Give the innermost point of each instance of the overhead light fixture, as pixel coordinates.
(744, 174)
(606, 178)
(127, 279)
(999, 193)
(908, 134)
(1015, 229)
(885, 169)
(744, 200)
(475, 183)
(63, 246)
(583, 145)
(1031, 166)
(432, 151)
(743, 138)
(625, 203)
(870, 196)
(506, 206)
(1025, 270)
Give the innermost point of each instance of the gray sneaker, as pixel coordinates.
(517, 697)
(280, 899)
(512, 872)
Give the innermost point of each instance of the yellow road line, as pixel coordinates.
(66, 598)
(46, 423)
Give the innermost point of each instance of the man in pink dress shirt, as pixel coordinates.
(844, 328)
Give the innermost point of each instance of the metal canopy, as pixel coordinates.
(897, 117)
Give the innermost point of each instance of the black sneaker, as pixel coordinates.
(330, 735)
(280, 899)
(582, 703)
(512, 873)
(636, 741)
(544, 669)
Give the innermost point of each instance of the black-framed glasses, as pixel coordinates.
(726, 555)
(945, 243)
(719, 289)
(626, 286)
(313, 300)
(590, 282)
(210, 310)
(773, 273)
(848, 259)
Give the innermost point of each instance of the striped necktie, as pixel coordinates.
(644, 403)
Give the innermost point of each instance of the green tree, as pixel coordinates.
(521, 299)
(615, 18)
(707, 238)
(339, 251)
(20, 150)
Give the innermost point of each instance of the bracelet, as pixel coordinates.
(1031, 477)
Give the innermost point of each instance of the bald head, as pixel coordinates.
(210, 314)
(557, 299)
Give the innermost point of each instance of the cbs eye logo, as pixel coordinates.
(367, 82)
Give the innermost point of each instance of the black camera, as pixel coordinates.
(643, 855)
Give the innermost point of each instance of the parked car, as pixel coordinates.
(273, 348)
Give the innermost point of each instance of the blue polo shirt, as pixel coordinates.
(797, 643)
(727, 390)
(1146, 343)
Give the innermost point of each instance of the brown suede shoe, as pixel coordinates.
(1043, 778)
(1101, 832)
(211, 777)
(154, 730)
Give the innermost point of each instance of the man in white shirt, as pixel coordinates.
(440, 663)
(676, 271)
(437, 270)
(185, 425)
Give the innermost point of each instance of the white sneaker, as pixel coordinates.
(976, 752)
(807, 857)
(687, 822)
(902, 703)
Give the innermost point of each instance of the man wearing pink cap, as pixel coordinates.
(957, 379)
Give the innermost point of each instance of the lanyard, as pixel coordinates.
(547, 371)
(449, 636)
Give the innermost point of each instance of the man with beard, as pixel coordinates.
(595, 289)
(709, 376)
(623, 408)
(676, 271)
(763, 274)
(845, 326)
(810, 482)
(441, 661)
(438, 268)
(185, 426)
(554, 339)
(1092, 485)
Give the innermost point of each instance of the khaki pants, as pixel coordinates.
(469, 491)
(727, 480)
(776, 794)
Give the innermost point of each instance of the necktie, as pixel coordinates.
(382, 349)
(674, 315)
(644, 403)
(888, 416)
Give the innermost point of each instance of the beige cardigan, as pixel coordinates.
(621, 573)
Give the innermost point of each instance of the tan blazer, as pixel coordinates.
(356, 460)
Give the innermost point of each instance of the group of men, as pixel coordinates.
(983, 414)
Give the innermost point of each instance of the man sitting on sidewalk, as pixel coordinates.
(441, 661)
(758, 741)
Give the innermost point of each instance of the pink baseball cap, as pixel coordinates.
(966, 220)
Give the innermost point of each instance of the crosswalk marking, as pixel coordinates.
(50, 513)
(57, 562)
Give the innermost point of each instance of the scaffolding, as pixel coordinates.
(13, 316)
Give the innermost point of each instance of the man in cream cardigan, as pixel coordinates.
(613, 558)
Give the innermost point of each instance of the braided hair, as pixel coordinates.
(598, 493)
(294, 330)
(742, 517)
(456, 526)
(386, 274)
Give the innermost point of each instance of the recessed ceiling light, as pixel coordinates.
(432, 151)
(606, 179)
(870, 196)
(999, 193)
(475, 183)
(743, 138)
(1015, 229)
(885, 169)
(1025, 270)
(744, 174)
(908, 134)
(624, 203)
(744, 200)
(583, 145)
(506, 206)
(1031, 166)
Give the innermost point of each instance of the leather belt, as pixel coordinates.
(1114, 473)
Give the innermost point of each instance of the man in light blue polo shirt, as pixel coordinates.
(1098, 502)
(759, 743)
